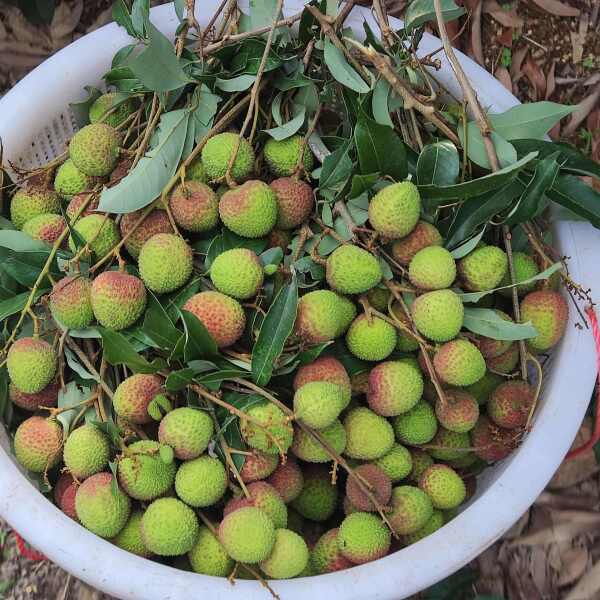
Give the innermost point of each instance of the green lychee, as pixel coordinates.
(69, 180)
(432, 268)
(443, 486)
(449, 445)
(134, 394)
(208, 556)
(320, 317)
(371, 340)
(201, 482)
(265, 497)
(99, 233)
(548, 312)
(258, 465)
(318, 403)
(237, 273)
(282, 156)
(417, 426)
(31, 364)
(194, 206)
(435, 522)
(379, 298)
(218, 152)
(363, 537)
(318, 499)
(352, 270)
(394, 211)
(483, 269)
(187, 430)
(112, 109)
(247, 534)
(411, 509)
(458, 412)
(347, 313)
(525, 268)
(271, 419)
(295, 201)
(71, 302)
(28, 203)
(45, 228)
(420, 461)
(38, 444)
(196, 171)
(422, 236)
(394, 388)
(326, 556)
(481, 390)
(396, 464)
(459, 362)
(155, 222)
(378, 483)
(86, 451)
(130, 537)
(438, 315)
(369, 436)
(325, 368)
(406, 342)
(47, 398)
(308, 449)
(94, 149)
(510, 404)
(288, 480)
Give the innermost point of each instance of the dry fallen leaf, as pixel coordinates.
(550, 81)
(508, 18)
(568, 501)
(578, 38)
(476, 34)
(533, 72)
(585, 106)
(574, 564)
(560, 531)
(503, 76)
(588, 585)
(516, 67)
(66, 17)
(554, 7)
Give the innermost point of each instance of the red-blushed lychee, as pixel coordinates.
(295, 200)
(491, 348)
(134, 394)
(490, 442)
(510, 403)
(118, 299)
(459, 362)
(422, 236)
(71, 302)
(265, 497)
(65, 490)
(31, 364)
(222, 316)
(458, 412)
(548, 312)
(443, 486)
(320, 317)
(379, 483)
(187, 430)
(120, 171)
(506, 362)
(324, 368)
(288, 480)
(258, 465)
(77, 202)
(45, 228)
(47, 398)
(269, 430)
(363, 537)
(394, 388)
(155, 222)
(326, 556)
(38, 444)
(411, 509)
(194, 206)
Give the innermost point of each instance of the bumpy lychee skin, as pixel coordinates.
(282, 156)
(109, 110)
(169, 527)
(483, 269)
(325, 368)
(76, 204)
(278, 238)
(548, 312)
(222, 316)
(347, 314)
(435, 522)
(249, 210)
(118, 299)
(101, 505)
(195, 207)
(65, 491)
(306, 448)
(165, 262)
(369, 436)
(491, 443)
(295, 201)
(258, 465)
(196, 171)
(326, 556)
(130, 537)
(363, 537)
(420, 461)
(422, 236)
(373, 340)
(352, 270)
(395, 210)
(29, 203)
(406, 342)
(459, 411)
(482, 389)
(31, 364)
(506, 362)
(237, 273)
(491, 348)
(381, 488)
(247, 534)
(394, 388)
(272, 419)
(134, 394)
(525, 268)
(218, 151)
(318, 499)
(99, 232)
(70, 180)
(378, 298)
(142, 473)
(187, 430)
(432, 268)
(443, 486)
(438, 315)
(396, 464)
(157, 221)
(86, 451)
(47, 398)
(208, 556)
(510, 403)
(318, 403)
(451, 445)
(459, 362)
(38, 444)
(417, 426)
(45, 228)
(411, 509)
(320, 317)
(95, 149)
(265, 497)
(201, 482)
(288, 480)
(71, 302)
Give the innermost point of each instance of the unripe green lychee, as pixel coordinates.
(134, 394)
(69, 180)
(218, 151)
(109, 109)
(71, 302)
(422, 236)
(247, 534)
(369, 436)
(258, 465)
(438, 315)
(201, 482)
(295, 201)
(481, 390)
(100, 234)
(118, 299)
(165, 262)
(347, 313)
(373, 340)
(510, 404)
(308, 449)
(101, 505)
(222, 316)
(406, 342)
(157, 221)
(318, 499)
(237, 273)
(411, 509)
(378, 483)
(491, 348)
(130, 537)
(196, 171)
(320, 317)
(378, 298)
(352, 270)
(29, 203)
(449, 445)
(45, 228)
(326, 556)
(394, 388)
(443, 486)
(38, 444)
(208, 556)
(459, 362)
(194, 206)
(77, 202)
(363, 537)
(525, 268)
(187, 430)
(318, 403)
(420, 461)
(435, 522)
(48, 397)
(417, 426)
(265, 497)
(86, 451)
(396, 464)
(249, 210)
(271, 419)
(31, 364)
(394, 211)
(459, 411)
(325, 368)
(505, 363)
(491, 443)
(483, 269)
(169, 527)
(65, 490)
(432, 268)
(288, 480)
(142, 473)
(548, 312)
(282, 156)
(94, 149)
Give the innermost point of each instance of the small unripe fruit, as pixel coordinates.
(262, 496)
(65, 491)
(318, 403)
(374, 340)
(352, 270)
(247, 534)
(201, 482)
(71, 302)
(396, 464)
(449, 445)
(295, 201)
(187, 430)
(288, 480)
(38, 444)
(363, 537)
(237, 273)
(77, 202)
(157, 221)
(95, 149)
(134, 394)
(379, 298)
(45, 228)
(432, 268)
(411, 509)
(194, 206)
(369, 436)
(118, 299)
(271, 419)
(70, 180)
(394, 211)
(443, 486)
(506, 362)
(31, 364)
(438, 315)
(29, 203)
(483, 269)
(308, 449)
(422, 236)
(318, 499)
(99, 233)
(459, 362)
(435, 522)
(326, 556)
(525, 268)
(380, 486)
(420, 461)
(548, 312)
(217, 154)
(282, 156)
(108, 109)
(417, 426)
(491, 443)
(208, 556)
(46, 398)
(491, 348)
(459, 411)
(320, 317)
(258, 465)
(86, 451)
(394, 388)
(325, 368)
(510, 404)
(130, 537)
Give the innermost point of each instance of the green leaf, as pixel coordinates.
(81, 110)
(290, 128)
(342, 71)
(505, 151)
(158, 325)
(379, 103)
(119, 351)
(197, 341)
(235, 84)
(21, 242)
(275, 330)
(71, 395)
(13, 305)
(438, 164)
(213, 380)
(468, 246)
(140, 16)
(422, 11)
(179, 9)
(262, 13)
(487, 322)
(272, 256)
(572, 193)
(206, 104)
(337, 168)
(121, 16)
(362, 184)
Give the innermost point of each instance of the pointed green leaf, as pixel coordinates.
(487, 322)
(422, 11)
(438, 164)
(572, 193)
(342, 71)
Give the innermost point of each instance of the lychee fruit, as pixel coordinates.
(258, 465)
(394, 211)
(443, 486)
(308, 449)
(318, 403)
(271, 419)
(46, 398)
(435, 522)
(510, 404)
(438, 315)
(483, 269)
(394, 388)
(196, 171)
(320, 317)
(65, 491)
(449, 445)
(208, 556)
(548, 312)
(247, 534)
(352, 270)
(110, 110)
(38, 444)
(417, 426)
(396, 464)
(45, 228)
(411, 509)
(28, 203)
(490, 442)
(420, 461)
(217, 153)
(326, 556)
(86, 451)
(69, 180)
(369, 436)
(99, 233)
(134, 394)
(505, 363)
(295, 201)
(318, 499)
(118, 299)
(237, 273)
(71, 302)
(378, 298)
(325, 368)
(282, 156)
(288, 557)
(265, 497)
(94, 149)
(287, 479)
(76, 204)
(155, 222)
(422, 236)
(201, 482)
(491, 348)
(130, 537)
(31, 364)
(459, 362)
(459, 411)
(194, 206)
(373, 339)
(187, 430)
(363, 537)
(525, 268)
(379, 484)
(481, 390)
(432, 268)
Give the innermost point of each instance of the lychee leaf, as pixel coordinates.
(197, 342)
(342, 71)
(118, 350)
(487, 322)
(438, 164)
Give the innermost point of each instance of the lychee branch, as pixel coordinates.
(89, 366)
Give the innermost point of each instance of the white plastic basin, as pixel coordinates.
(37, 107)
